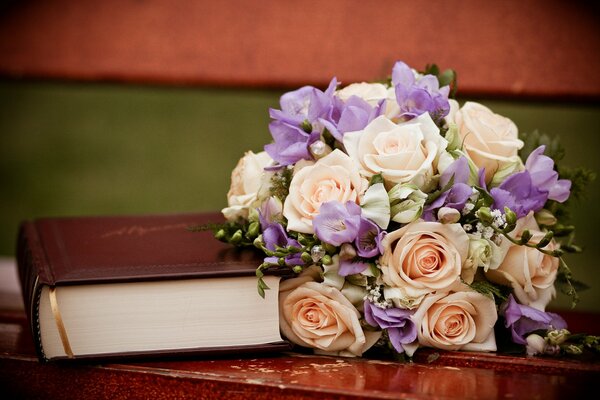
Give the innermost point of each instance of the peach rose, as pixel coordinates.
(402, 153)
(490, 140)
(530, 272)
(333, 177)
(421, 258)
(461, 320)
(246, 181)
(320, 317)
(372, 93)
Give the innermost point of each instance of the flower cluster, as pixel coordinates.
(409, 220)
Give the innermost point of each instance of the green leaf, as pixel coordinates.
(375, 179)
(564, 282)
(498, 292)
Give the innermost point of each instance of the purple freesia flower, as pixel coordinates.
(418, 96)
(545, 178)
(519, 194)
(337, 223)
(290, 143)
(351, 267)
(368, 240)
(400, 327)
(296, 126)
(529, 190)
(305, 104)
(522, 320)
(274, 235)
(352, 115)
(457, 196)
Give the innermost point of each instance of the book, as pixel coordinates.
(141, 286)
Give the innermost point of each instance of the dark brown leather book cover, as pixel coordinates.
(91, 250)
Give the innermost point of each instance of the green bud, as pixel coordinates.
(306, 126)
(571, 248)
(281, 262)
(326, 260)
(557, 337)
(557, 253)
(525, 236)
(236, 237)
(511, 217)
(545, 217)
(485, 215)
(562, 230)
(545, 240)
(573, 349)
(258, 243)
(253, 230)
(220, 235)
(297, 269)
(305, 256)
(329, 248)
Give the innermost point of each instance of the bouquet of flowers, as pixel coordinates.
(408, 220)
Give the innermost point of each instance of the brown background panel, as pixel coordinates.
(508, 48)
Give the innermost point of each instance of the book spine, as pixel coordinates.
(31, 264)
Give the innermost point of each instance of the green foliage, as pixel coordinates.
(580, 178)
(498, 292)
(445, 78)
(535, 139)
(566, 284)
(280, 183)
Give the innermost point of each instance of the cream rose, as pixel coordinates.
(320, 317)
(402, 153)
(529, 272)
(421, 258)
(372, 93)
(461, 320)
(246, 180)
(333, 177)
(490, 140)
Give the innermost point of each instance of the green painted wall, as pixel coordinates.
(80, 149)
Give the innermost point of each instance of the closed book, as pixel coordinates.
(142, 286)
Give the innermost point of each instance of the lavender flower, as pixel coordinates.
(523, 319)
(400, 327)
(352, 115)
(418, 96)
(529, 190)
(305, 104)
(519, 194)
(368, 240)
(337, 223)
(545, 178)
(351, 267)
(296, 126)
(273, 236)
(457, 196)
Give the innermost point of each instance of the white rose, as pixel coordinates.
(332, 178)
(421, 258)
(320, 317)
(490, 140)
(372, 93)
(402, 153)
(246, 180)
(461, 320)
(529, 272)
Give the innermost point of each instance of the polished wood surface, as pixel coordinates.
(288, 376)
(535, 48)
